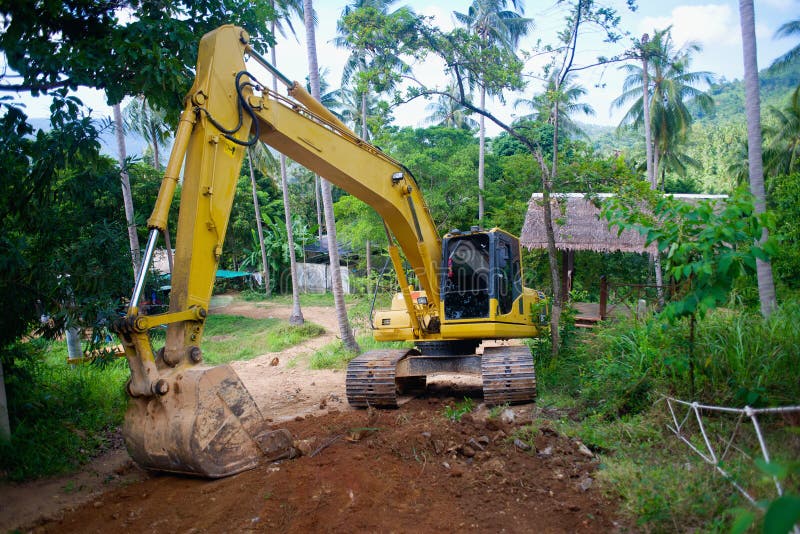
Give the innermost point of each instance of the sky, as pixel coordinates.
(714, 25)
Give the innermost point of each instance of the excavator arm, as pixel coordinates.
(187, 417)
(184, 416)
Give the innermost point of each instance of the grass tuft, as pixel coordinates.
(336, 356)
(235, 338)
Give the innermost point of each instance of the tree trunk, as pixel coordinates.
(73, 336)
(296, 318)
(481, 156)
(5, 425)
(156, 159)
(648, 136)
(766, 285)
(651, 158)
(313, 81)
(552, 256)
(368, 252)
(127, 199)
(552, 253)
(364, 131)
(259, 229)
(327, 200)
(318, 203)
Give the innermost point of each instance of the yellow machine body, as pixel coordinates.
(187, 417)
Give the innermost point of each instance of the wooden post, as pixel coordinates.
(603, 297)
(5, 426)
(570, 269)
(564, 274)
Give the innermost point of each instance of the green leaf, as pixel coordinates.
(742, 520)
(773, 469)
(783, 513)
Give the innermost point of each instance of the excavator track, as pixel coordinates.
(508, 375)
(371, 378)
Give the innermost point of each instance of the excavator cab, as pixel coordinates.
(479, 267)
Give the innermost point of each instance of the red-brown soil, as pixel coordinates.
(405, 470)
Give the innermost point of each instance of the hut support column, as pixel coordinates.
(603, 297)
(567, 270)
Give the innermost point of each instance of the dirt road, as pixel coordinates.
(405, 470)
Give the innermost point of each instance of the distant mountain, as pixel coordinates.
(716, 137)
(729, 95)
(134, 145)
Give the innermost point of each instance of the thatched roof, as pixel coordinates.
(579, 227)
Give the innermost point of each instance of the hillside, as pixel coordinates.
(134, 144)
(717, 138)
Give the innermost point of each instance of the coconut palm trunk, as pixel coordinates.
(648, 134)
(127, 198)
(481, 156)
(259, 229)
(296, 318)
(766, 285)
(5, 425)
(651, 158)
(364, 131)
(348, 339)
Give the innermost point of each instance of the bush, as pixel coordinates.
(61, 416)
(741, 359)
(615, 377)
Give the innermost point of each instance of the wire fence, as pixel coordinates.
(716, 446)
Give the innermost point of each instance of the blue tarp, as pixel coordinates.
(221, 273)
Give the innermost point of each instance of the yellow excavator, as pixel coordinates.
(187, 417)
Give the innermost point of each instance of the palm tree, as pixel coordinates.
(645, 50)
(127, 198)
(285, 9)
(331, 100)
(353, 107)
(362, 59)
(566, 97)
(766, 284)
(782, 155)
(666, 85)
(786, 30)
(672, 87)
(264, 265)
(150, 123)
(494, 23)
(345, 331)
(446, 111)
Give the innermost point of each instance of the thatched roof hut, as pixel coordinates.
(579, 226)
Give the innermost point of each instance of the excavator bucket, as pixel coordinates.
(205, 423)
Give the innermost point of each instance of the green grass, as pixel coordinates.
(358, 305)
(459, 409)
(336, 356)
(60, 416)
(230, 338)
(607, 387)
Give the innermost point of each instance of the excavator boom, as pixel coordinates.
(187, 417)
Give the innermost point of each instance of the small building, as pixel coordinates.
(579, 227)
